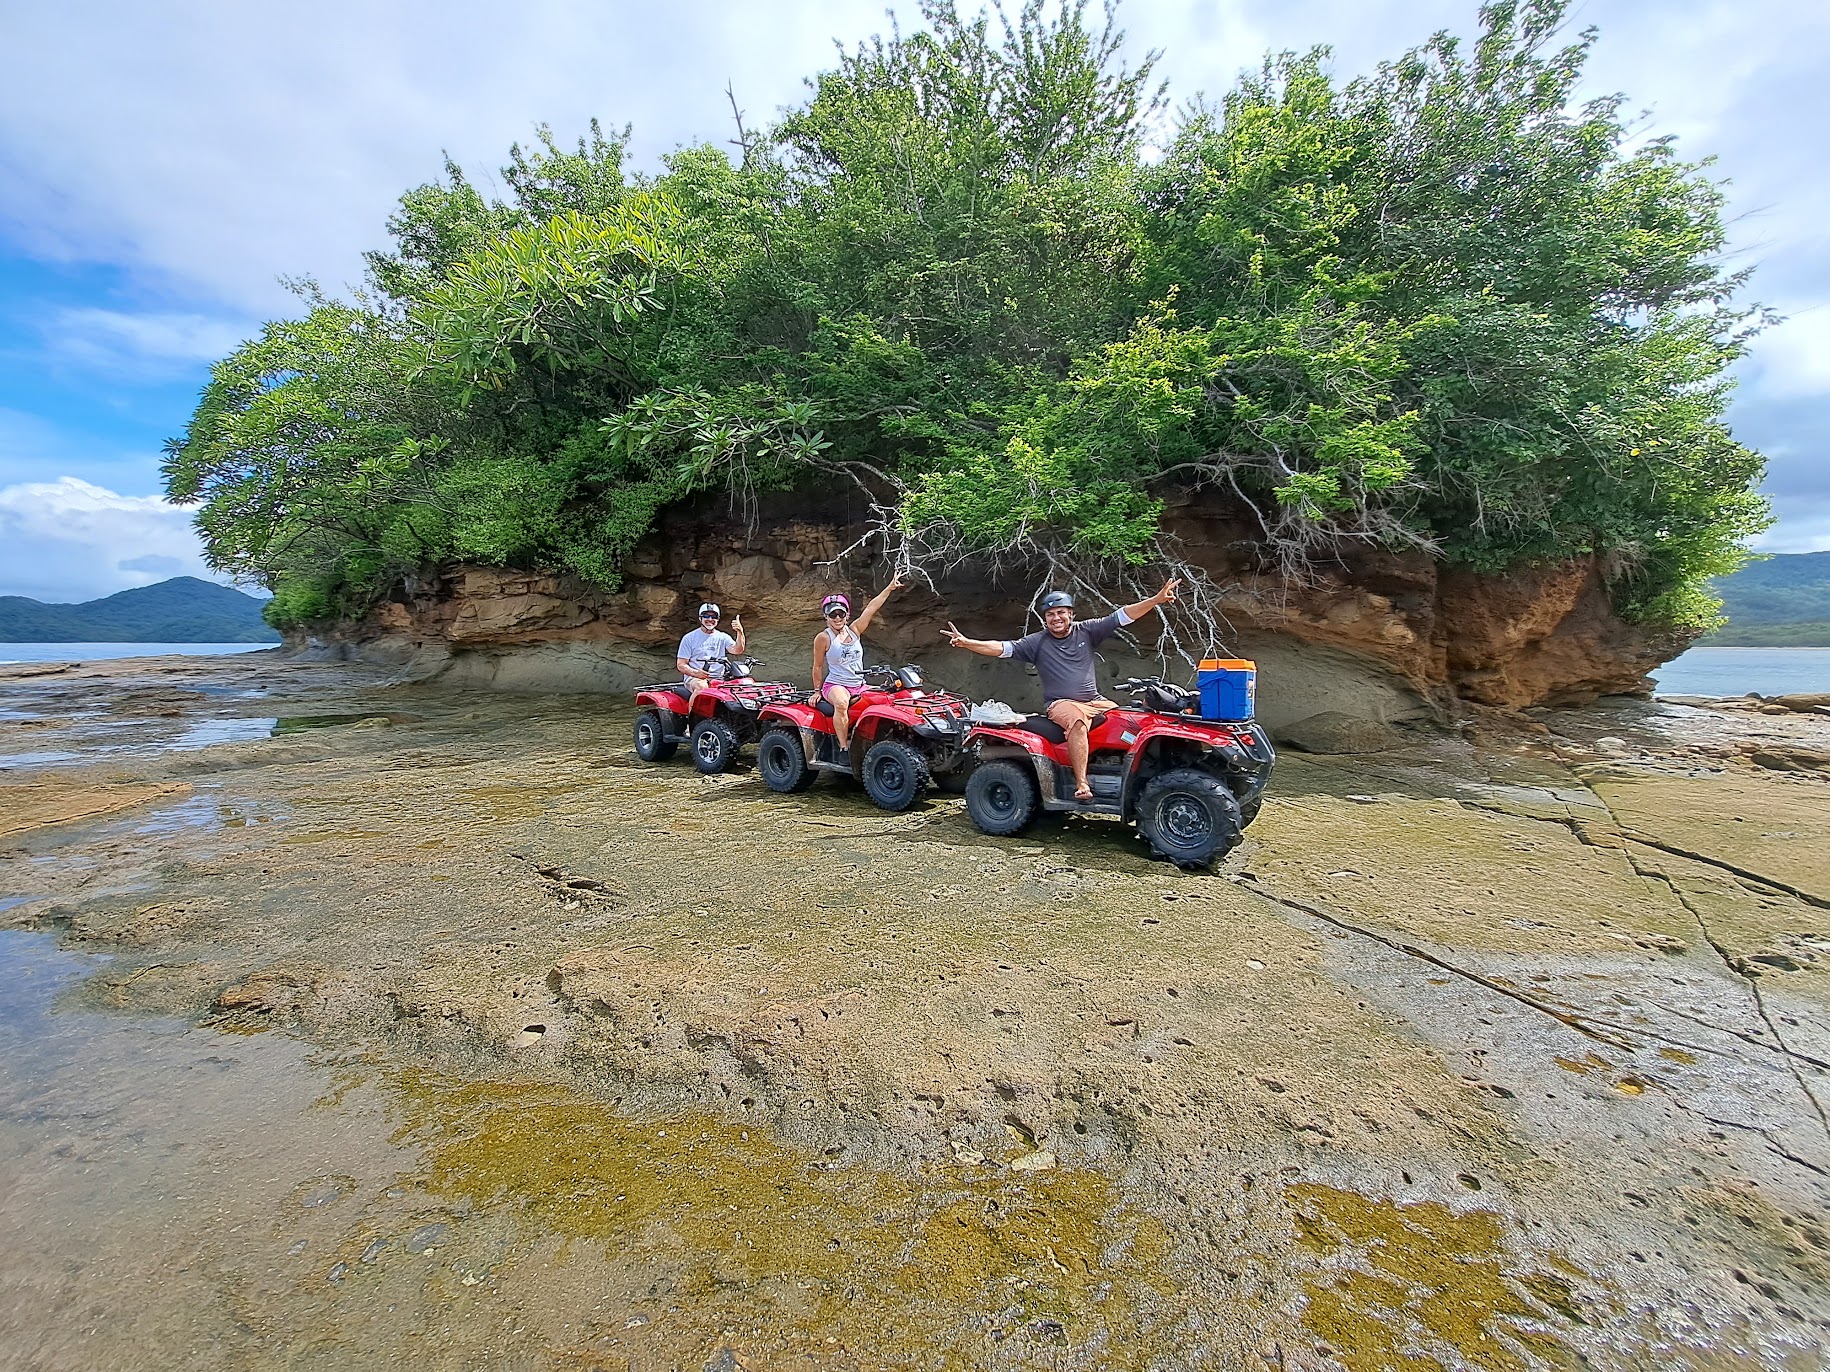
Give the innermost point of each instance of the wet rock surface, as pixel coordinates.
(469, 1039)
(1333, 731)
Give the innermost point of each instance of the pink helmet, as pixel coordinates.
(834, 602)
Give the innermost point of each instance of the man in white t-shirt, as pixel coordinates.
(704, 650)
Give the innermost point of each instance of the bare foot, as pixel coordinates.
(1083, 793)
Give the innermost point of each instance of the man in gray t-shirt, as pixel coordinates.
(707, 647)
(1061, 651)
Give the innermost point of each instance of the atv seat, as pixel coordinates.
(1044, 727)
(823, 705)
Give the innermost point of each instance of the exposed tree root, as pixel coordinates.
(1766, 1134)
(1570, 1019)
(1580, 1024)
(1576, 827)
(1773, 882)
(1566, 821)
(1792, 1056)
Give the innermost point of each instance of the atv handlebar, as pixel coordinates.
(892, 675)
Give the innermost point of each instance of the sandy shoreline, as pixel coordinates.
(1482, 1052)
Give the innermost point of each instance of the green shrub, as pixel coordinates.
(1443, 307)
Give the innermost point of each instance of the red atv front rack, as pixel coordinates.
(939, 707)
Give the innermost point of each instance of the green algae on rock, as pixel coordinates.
(926, 1265)
(1452, 978)
(1422, 1286)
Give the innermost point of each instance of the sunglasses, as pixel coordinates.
(838, 614)
(712, 618)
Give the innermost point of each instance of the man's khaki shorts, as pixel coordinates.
(1067, 713)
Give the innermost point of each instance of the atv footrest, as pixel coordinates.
(1096, 806)
(1105, 787)
(1108, 787)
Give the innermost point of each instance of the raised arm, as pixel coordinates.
(1163, 597)
(863, 621)
(984, 647)
(737, 624)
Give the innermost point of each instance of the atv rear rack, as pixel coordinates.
(755, 694)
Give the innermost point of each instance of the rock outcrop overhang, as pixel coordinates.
(1378, 634)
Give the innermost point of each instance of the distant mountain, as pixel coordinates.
(1781, 602)
(182, 610)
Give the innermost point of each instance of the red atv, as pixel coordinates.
(718, 721)
(902, 735)
(1190, 784)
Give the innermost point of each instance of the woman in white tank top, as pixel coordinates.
(838, 658)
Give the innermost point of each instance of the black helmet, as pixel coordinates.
(1057, 600)
(710, 609)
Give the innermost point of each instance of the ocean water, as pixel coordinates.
(96, 652)
(1701, 671)
(1736, 671)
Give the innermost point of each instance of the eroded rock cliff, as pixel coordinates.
(1380, 635)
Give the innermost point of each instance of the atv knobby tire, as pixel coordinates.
(1189, 817)
(895, 774)
(1001, 797)
(651, 741)
(1248, 811)
(782, 762)
(714, 746)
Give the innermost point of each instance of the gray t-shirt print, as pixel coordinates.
(701, 649)
(1064, 666)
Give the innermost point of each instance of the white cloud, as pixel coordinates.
(67, 540)
(218, 146)
(138, 347)
(1793, 359)
(159, 564)
(1806, 530)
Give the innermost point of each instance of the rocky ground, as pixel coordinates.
(393, 1022)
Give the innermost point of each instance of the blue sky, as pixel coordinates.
(162, 166)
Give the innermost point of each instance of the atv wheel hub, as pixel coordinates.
(1186, 820)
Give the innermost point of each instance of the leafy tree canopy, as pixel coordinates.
(1443, 306)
